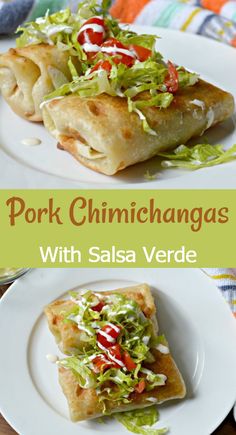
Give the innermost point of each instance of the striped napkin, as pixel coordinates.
(225, 279)
(213, 18)
(15, 12)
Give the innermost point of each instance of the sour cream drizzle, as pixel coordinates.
(31, 141)
(120, 363)
(151, 399)
(52, 358)
(113, 327)
(198, 103)
(107, 336)
(83, 328)
(114, 50)
(162, 348)
(90, 48)
(97, 28)
(48, 101)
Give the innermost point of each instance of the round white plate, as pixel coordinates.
(193, 315)
(45, 166)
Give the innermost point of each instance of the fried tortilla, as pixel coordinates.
(84, 405)
(28, 74)
(102, 134)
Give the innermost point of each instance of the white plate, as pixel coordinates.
(192, 313)
(45, 166)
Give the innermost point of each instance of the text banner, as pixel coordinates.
(121, 228)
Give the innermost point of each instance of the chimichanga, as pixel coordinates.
(102, 134)
(84, 404)
(70, 338)
(28, 74)
(125, 365)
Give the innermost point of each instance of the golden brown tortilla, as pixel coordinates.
(104, 136)
(25, 77)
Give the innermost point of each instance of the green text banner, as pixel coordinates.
(118, 228)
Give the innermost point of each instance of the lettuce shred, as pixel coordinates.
(198, 156)
(140, 421)
(137, 337)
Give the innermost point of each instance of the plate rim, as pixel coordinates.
(13, 289)
(35, 178)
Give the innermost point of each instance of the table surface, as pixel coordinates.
(228, 426)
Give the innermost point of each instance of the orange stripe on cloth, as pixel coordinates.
(233, 42)
(127, 10)
(213, 5)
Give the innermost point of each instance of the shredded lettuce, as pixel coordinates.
(131, 38)
(148, 176)
(57, 77)
(198, 156)
(136, 337)
(140, 421)
(73, 70)
(153, 380)
(186, 78)
(61, 28)
(84, 375)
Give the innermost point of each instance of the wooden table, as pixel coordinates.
(228, 427)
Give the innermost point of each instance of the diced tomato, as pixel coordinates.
(102, 64)
(129, 363)
(92, 36)
(114, 352)
(118, 55)
(140, 387)
(142, 52)
(171, 80)
(112, 332)
(101, 363)
(98, 307)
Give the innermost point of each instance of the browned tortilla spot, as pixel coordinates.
(94, 108)
(60, 146)
(126, 133)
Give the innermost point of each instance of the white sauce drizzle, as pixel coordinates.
(120, 363)
(113, 327)
(52, 358)
(162, 348)
(52, 30)
(90, 48)
(107, 336)
(31, 141)
(146, 371)
(97, 28)
(83, 328)
(114, 50)
(198, 103)
(98, 295)
(146, 339)
(116, 379)
(142, 117)
(149, 372)
(151, 399)
(94, 302)
(210, 118)
(49, 100)
(90, 358)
